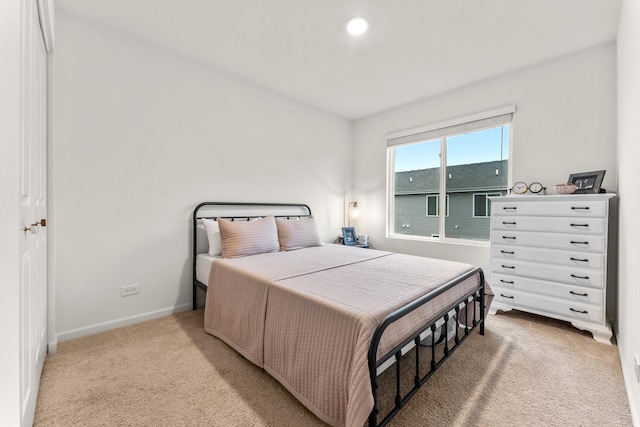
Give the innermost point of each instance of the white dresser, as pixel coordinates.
(549, 256)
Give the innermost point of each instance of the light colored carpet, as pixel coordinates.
(526, 371)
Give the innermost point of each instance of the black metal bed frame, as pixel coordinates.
(428, 331)
(416, 339)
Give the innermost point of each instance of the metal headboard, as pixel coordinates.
(239, 211)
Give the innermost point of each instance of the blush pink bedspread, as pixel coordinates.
(307, 316)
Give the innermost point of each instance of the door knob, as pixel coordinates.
(33, 228)
(43, 222)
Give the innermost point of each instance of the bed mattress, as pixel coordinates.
(203, 267)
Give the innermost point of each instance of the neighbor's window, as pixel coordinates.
(463, 162)
(482, 205)
(433, 205)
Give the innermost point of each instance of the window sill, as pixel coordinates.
(461, 242)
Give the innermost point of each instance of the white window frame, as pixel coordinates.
(441, 130)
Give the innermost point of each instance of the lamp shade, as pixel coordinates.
(353, 211)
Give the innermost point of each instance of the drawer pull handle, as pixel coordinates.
(585, 208)
(578, 259)
(507, 266)
(511, 208)
(509, 222)
(573, 242)
(579, 225)
(509, 237)
(508, 252)
(577, 277)
(578, 311)
(507, 296)
(507, 281)
(578, 294)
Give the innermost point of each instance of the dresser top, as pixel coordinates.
(554, 197)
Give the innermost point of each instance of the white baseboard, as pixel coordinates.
(118, 323)
(629, 377)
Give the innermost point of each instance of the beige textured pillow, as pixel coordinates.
(297, 233)
(242, 238)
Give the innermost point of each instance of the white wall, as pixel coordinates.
(628, 156)
(142, 136)
(565, 123)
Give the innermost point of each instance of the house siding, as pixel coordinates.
(411, 210)
(461, 223)
(463, 182)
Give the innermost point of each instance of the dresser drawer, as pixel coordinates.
(549, 208)
(503, 282)
(540, 304)
(556, 273)
(550, 224)
(574, 242)
(549, 256)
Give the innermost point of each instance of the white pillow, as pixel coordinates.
(213, 235)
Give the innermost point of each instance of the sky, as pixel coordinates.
(475, 147)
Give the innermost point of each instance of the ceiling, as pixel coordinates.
(414, 48)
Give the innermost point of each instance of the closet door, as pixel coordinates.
(33, 209)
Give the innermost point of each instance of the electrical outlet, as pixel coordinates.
(125, 291)
(636, 366)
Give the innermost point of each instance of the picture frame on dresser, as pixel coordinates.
(587, 182)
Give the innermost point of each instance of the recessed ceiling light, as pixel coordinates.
(357, 25)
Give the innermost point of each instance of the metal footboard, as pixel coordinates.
(415, 340)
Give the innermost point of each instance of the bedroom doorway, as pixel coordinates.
(23, 217)
(33, 211)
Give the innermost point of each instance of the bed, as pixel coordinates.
(327, 320)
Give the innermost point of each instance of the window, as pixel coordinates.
(482, 205)
(462, 161)
(433, 205)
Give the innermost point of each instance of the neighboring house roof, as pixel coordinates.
(485, 176)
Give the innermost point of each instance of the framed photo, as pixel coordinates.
(587, 182)
(349, 236)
